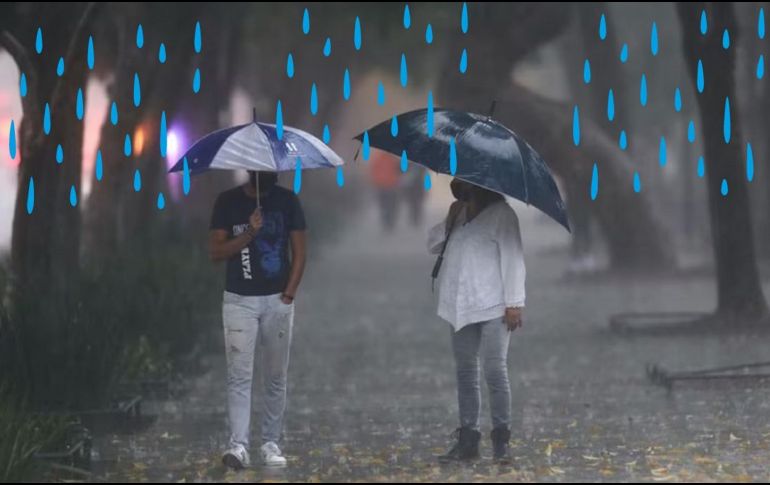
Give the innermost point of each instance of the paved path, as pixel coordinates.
(372, 389)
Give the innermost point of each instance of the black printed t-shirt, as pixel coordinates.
(262, 267)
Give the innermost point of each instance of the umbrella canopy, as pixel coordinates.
(260, 147)
(473, 148)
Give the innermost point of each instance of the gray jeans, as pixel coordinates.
(488, 342)
(248, 321)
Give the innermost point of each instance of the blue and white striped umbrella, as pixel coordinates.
(259, 147)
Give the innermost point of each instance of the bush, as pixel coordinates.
(21, 436)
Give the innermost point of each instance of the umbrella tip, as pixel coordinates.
(492, 109)
(254, 114)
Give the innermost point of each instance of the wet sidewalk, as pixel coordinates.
(372, 394)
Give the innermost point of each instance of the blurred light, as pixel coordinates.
(174, 143)
(138, 141)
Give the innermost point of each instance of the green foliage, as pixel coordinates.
(131, 318)
(21, 436)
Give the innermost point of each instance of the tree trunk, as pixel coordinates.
(45, 244)
(635, 239)
(740, 298)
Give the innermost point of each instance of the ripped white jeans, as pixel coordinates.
(248, 321)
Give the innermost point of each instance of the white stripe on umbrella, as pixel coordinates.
(247, 149)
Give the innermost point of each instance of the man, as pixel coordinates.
(262, 278)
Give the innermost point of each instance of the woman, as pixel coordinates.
(481, 294)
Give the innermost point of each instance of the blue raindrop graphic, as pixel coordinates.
(340, 177)
(73, 196)
(576, 126)
(394, 127)
(305, 22)
(23, 85)
(677, 100)
(637, 183)
(623, 140)
(90, 54)
(39, 40)
(701, 79)
(139, 36)
(407, 17)
(587, 71)
(654, 39)
(127, 145)
(464, 61)
(404, 161)
(426, 182)
(429, 34)
(727, 125)
(704, 26)
(137, 91)
(12, 141)
(196, 86)
(185, 177)
(624, 53)
(603, 27)
(290, 65)
(429, 122)
(313, 100)
(452, 156)
(163, 134)
(701, 167)
(59, 154)
(610, 106)
(60, 67)
(365, 147)
(137, 180)
(691, 131)
(643, 90)
(380, 94)
(162, 53)
(327, 134)
(328, 47)
(197, 38)
(595, 182)
(662, 151)
(464, 19)
(404, 74)
(749, 163)
(357, 34)
(47, 119)
(298, 176)
(761, 24)
(114, 113)
(724, 189)
(279, 120)
(161, 201)
(79, 107)
(761, 66)
(726, 39)
(99, 166)
(31, 195)
(346, 85)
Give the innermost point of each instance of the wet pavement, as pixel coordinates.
(372, 397)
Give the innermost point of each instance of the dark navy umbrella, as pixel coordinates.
(473, 148)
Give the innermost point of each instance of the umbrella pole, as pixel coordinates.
(256, 188)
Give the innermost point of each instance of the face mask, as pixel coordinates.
(459, 190)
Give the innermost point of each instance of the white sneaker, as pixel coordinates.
(272, 456)
(236, 458)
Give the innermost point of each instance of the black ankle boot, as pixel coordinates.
(500, 438)
(465, 448)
